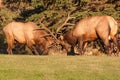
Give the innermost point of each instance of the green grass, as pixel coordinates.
(27, 67)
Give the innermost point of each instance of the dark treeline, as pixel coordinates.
(54, 12)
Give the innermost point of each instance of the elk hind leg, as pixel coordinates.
(104, 36)
(80, 46)
(108, 46)
(116, 44)
(10, 42)
(9, 49)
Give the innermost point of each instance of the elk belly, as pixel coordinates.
(89, 37)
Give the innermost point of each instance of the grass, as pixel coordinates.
(27, 67)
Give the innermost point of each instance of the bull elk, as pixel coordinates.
(91, 28)
(27, 33)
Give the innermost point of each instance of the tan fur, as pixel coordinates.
(1, 3)
(68, 39)
(26, 33)
(91, 28)
(96, 27)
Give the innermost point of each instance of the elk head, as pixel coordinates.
(50, 37)
(61, 40)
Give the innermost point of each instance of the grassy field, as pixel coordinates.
(28, 67)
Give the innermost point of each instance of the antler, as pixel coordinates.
(65, 23)
(45, 28)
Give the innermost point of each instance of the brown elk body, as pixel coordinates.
(103, 27)
(27, 33)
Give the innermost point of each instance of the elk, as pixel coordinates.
(27, 33)
(91, 28)
(103, 27)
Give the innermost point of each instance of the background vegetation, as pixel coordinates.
(54, 11)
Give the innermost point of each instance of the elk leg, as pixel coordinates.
(80, 46)
(105, 38)
(107, 44)
(10, 42)
(116, 44)
(84, 46)
(45, 50)
(72, 50)
(9, 49)
(33, 49)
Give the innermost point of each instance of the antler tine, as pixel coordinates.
(69, 17)
(41, 19)
(44, 27)
(66, 22)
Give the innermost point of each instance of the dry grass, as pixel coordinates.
(28, 67)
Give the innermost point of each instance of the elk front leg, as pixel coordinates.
(46, 52)
(45, 49)
(33, 49)
(84, 46)
(72, 50)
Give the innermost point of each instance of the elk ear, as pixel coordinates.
(61, 37)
